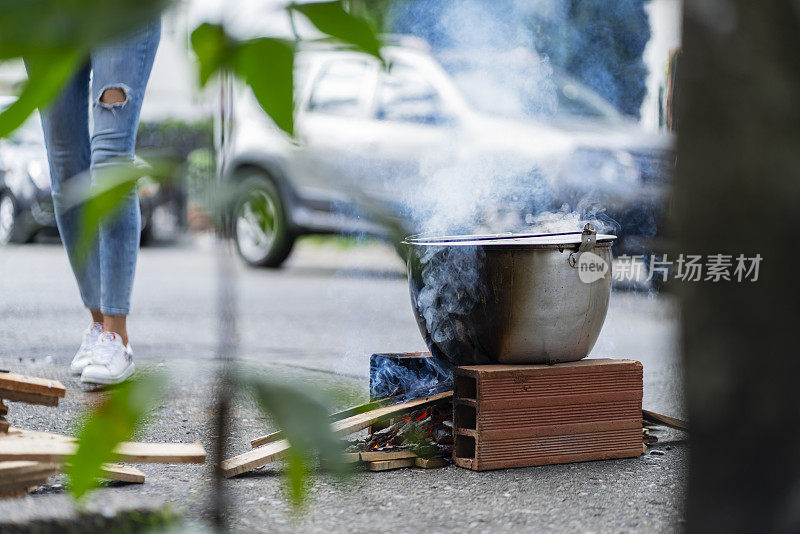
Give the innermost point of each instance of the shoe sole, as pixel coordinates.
(107, 381)
(73, 372)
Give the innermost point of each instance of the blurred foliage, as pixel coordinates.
(55, 36)
(113, 421)
(110, 186)
(331, 19)
(200, 172)
(192, 145)
(305, 424)
(174, 138)
(377, 12)
(266, 64)
(419, 442)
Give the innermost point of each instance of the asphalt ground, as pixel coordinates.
(315, 323)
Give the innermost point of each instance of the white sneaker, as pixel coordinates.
(111, 363)
(84, 355)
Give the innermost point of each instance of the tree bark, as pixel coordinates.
(737, 192)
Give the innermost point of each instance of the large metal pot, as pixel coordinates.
(510, 298)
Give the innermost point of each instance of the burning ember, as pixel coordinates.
(427, 432)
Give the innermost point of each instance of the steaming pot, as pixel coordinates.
(510, 298)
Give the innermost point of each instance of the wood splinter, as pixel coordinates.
(386, 465)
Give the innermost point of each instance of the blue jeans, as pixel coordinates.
(105, 278)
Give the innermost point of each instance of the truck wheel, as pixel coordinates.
(260, 228)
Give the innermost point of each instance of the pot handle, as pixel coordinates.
(588, 240)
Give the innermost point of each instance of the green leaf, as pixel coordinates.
(331, 18)
(211, 47)
(267, 65)
(44, 27)
(112, 185)
(46, 76)
(297, 477)
(305, 424)
(54, 36)
(113, 421)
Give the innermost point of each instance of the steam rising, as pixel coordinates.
(465, 191)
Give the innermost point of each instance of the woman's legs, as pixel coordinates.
(66, 132)
(120, 71)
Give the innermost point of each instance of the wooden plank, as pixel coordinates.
(3, 424)
(274, 451)
(23, 470)
(24, 484)
(14, 494)
(32, 384)
(386, 465)
(430, 463)
(30, 398)
(665, 420)
(14, 430)
(18, 446)
(269, 438)
(123, 473)
(15, 446)
(8, 468)
(3, 408)
(161, 453)
(253, 459)
(18, 477)
(362, 421)
(354, 410)
(377, 456)
(351, 458)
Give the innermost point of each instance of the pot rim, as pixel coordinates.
(555, 240)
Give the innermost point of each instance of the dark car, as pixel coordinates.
(26, 205)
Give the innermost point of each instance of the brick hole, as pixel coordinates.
(466, 387)
(466, 417)
(465, 446)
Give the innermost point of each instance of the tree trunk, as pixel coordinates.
(737, 192)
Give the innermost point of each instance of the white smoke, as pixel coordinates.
(467, 191)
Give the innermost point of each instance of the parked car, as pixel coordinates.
(26, 206)
(366, 136)
(25, 203)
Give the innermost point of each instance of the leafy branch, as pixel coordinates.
(55, 37)
(113, 421)
(266, 64)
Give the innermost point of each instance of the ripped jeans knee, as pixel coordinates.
(113, 96)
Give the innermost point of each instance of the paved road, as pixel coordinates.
(316, 322)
